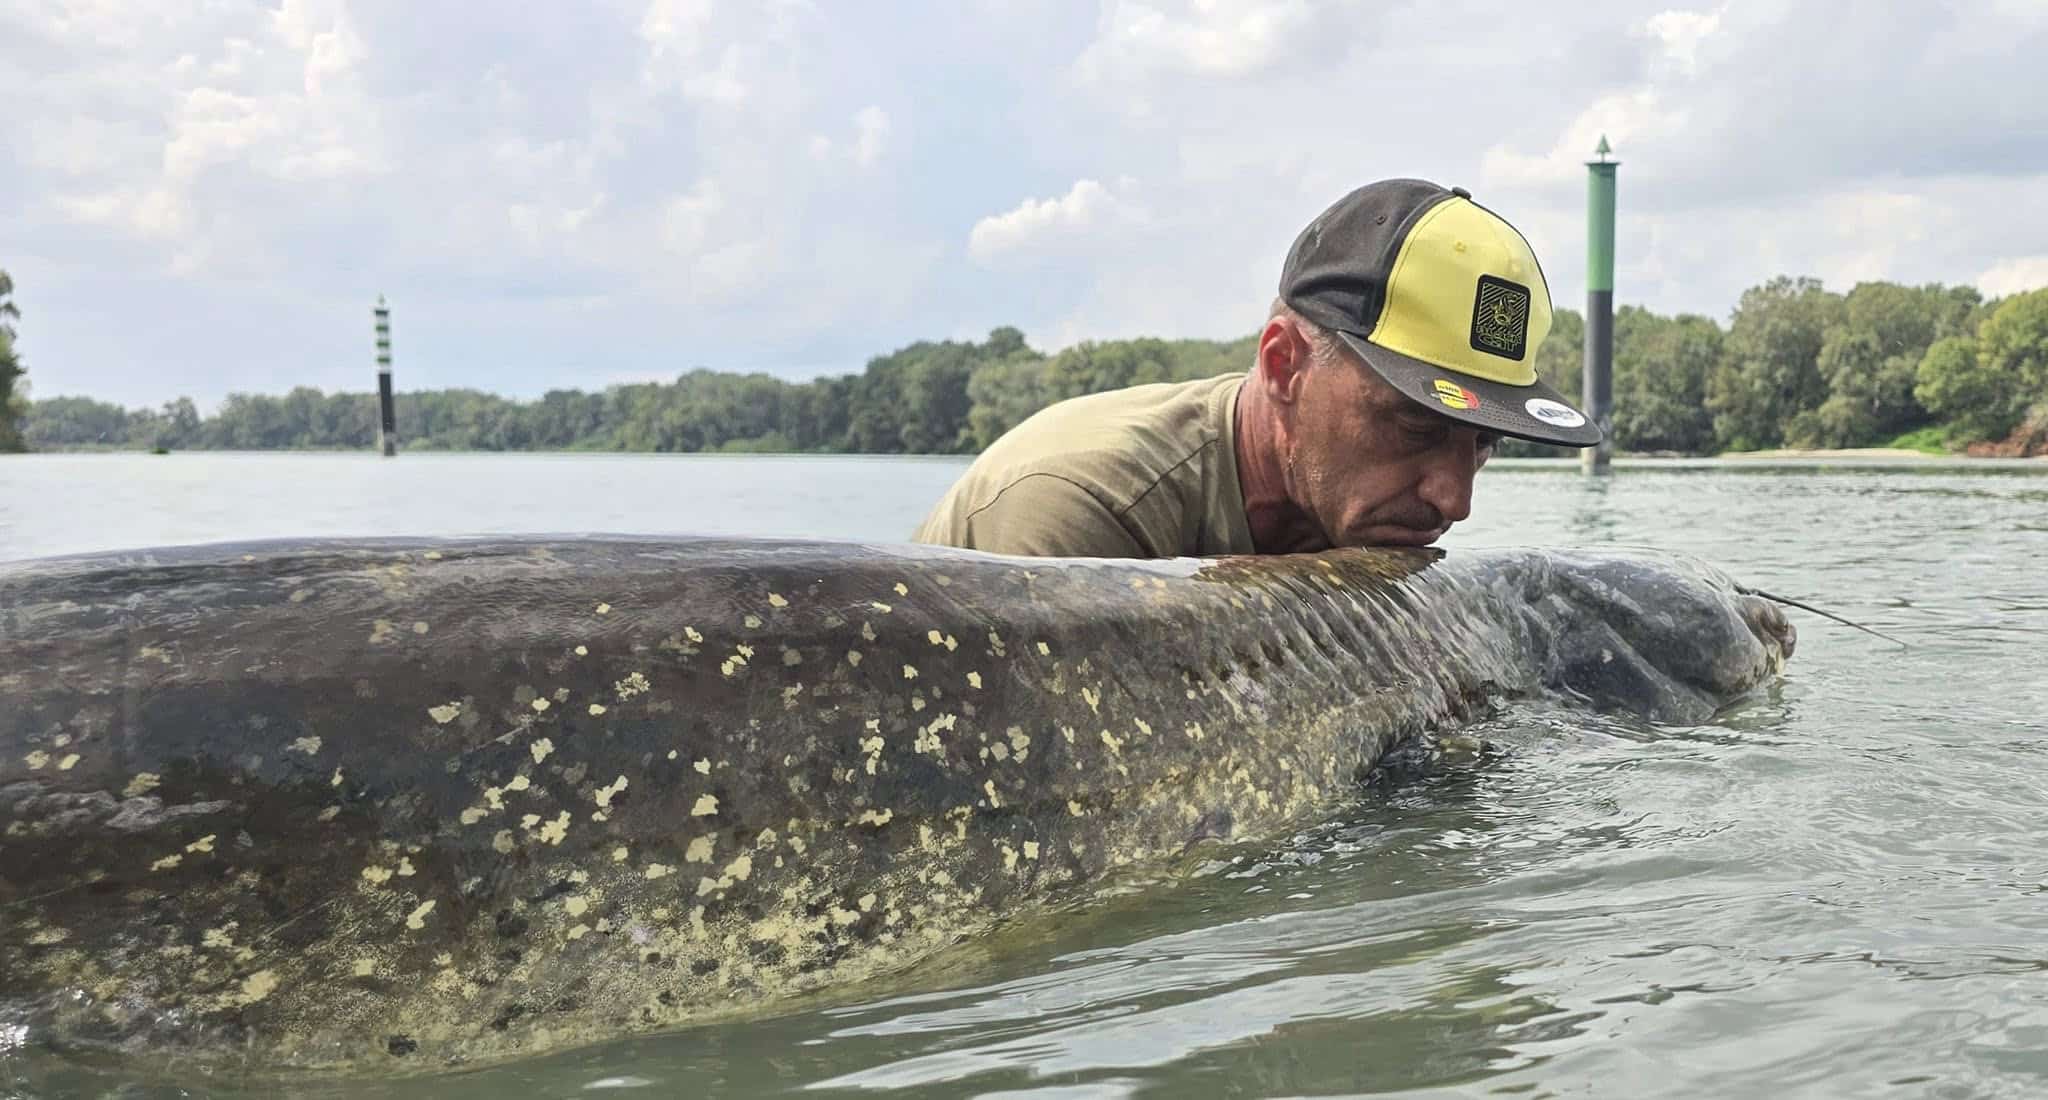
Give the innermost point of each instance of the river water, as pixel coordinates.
(1838, 888)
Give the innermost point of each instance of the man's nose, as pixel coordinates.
(1447, 483)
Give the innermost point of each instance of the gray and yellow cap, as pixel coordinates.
(1443, 299)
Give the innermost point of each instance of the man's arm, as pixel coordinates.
(1044, 515)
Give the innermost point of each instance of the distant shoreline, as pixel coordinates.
(1844, 452)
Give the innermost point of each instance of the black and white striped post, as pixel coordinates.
(387, 419)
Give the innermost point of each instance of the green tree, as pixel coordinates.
(1870, 359)
(1560, 361)
(13, 392)
(1661, 368)
(1985, 385)
(1769, 377)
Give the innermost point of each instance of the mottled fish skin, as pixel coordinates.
(377, 805)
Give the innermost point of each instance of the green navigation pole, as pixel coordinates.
(387, 421)
(1599, 367)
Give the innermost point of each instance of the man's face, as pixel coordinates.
(1369, 467)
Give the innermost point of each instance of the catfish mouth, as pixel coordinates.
(1769, 624)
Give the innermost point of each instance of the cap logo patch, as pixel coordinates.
(1555, 413)
(1500, 318)
(1454, 396)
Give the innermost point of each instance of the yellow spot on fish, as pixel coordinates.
(167, 863)
(70, 760)
(376, 876)
(445, 713)
(604, 794)
(583, 651)
(330, 813)
(1109, 739)
(700, 849)
(540, 749)
(776, 601)
(519, 783)
(706, 806)
(37, 760)
(596, 709)
(853, 657)
(658, 870)
(417, 919)
(619, 854)
(881, 607)
(875, 817)
(753, 622)
(901, 590)
(631, 686)
(691, 633)
(258, 986)
(576, 904)
(473, 814)
(703, 767)
(336, 781)
(433, 555)
(203, 844)
(555, 830)
(909, 673)
(503, 841)
(404, 866)
(1044, 650)
(988, 787)
(1030, 849)
(974, 680)
(740, 868)
(540, 705)
(579, 931)
(1093, 698)
(604, 609)
(934, 637)
(142, 784)
(419, 628)
(1009, 858)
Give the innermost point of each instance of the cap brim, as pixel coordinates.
(1495, 406)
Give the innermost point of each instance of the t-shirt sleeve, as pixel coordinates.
(1044, 515)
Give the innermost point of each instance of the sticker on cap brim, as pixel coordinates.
(1554, 413)
(1454, 396)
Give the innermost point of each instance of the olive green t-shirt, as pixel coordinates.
(1144, 472)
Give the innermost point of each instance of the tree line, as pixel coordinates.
(1796, 365)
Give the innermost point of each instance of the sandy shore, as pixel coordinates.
(1840, 452)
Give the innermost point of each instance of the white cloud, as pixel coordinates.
(1038, 224)
(1206, 38)
(1681, 33)
(870, 139)
(1618, 118)
(2014, 276)
(871, 129)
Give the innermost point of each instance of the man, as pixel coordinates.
(1402, 347)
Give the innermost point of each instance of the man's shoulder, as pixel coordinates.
(1115, 445)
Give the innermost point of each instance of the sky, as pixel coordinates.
(200, 197)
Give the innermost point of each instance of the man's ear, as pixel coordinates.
(1283, 357)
